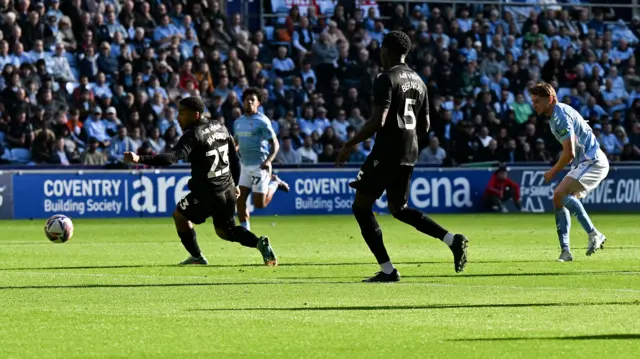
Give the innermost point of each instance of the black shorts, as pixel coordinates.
(222, 207)
(377, 176)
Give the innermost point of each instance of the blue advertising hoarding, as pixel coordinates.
(6, 195)
(155, 193)
(103, 194)
(620, 191)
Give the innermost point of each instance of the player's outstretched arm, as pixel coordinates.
(179, 152)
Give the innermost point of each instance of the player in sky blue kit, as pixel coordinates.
(258, 146)
(590, 166)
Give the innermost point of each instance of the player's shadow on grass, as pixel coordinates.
(419, 307)
(484, 275)
(574, 337)
(160, 285)
(249, 265)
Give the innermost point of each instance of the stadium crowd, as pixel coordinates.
(83, 81)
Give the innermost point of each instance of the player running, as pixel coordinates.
(215, 169)
(258, 146)
(400, 114)
(589, 167)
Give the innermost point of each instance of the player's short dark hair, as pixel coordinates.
(193, 103)
(397, 42)
(252, 91)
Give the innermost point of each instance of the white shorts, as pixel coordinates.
(590, 174)
(255, 178)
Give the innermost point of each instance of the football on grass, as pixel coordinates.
(58, 228)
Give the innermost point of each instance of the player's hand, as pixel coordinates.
(131, 157)
(237, 192)
(266, 165)
(344, 154)
(548, 176)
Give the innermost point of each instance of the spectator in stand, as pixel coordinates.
(92, 156)
(433, 154)
(328, 154)
(477, 64)
(307, 153)
(608, 140)
(287, 154)
(120, 144)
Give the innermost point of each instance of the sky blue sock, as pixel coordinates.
(246, 225)
(577, 209)
(563, 224)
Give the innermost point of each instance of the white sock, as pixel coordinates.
(273, 186)
(593, 233)
(246, 225)
(387, 267)
(448, 239)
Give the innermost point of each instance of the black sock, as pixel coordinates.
(421, 222)
(243, 236)
(371, 232)
(190, 243)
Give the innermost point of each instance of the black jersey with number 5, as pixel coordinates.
(206, 146)
(402, 91)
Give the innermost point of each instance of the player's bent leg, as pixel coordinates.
(567, 195)
(226, 229)
(458, 243)
(563, 219)
(247, 238)
(363, 212)
(187, 235)
(243, 211)
(263, 194)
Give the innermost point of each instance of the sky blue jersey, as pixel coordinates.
(252, 133)
(566, 122)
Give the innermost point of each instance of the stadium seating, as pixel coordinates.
(477, 62)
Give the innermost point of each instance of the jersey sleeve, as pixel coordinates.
(185, 144)
(424, 123)
(179, 152)
(382, 90)
(565, 127)
(267, 130)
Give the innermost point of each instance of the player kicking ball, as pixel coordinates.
(258, 146)
(589, 167)
(215, 169)
(400, 114)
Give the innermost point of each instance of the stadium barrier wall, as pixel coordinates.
(105, 194)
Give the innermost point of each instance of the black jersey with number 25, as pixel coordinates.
(206, 146)
(405, 94)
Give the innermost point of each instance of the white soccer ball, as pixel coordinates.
(59, 228)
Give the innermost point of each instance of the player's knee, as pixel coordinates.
(259, 201)
(360, 207)
(181, 222)
(223, 233)
(396, 209)
(177, 216)
(559, 198)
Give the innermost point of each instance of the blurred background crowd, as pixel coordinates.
(83, 81)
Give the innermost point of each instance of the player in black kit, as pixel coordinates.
(400, 115)
(215, 170)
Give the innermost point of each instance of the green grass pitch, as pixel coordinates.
(113, 291)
